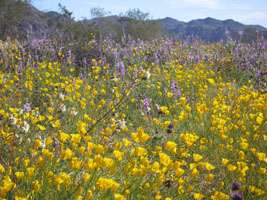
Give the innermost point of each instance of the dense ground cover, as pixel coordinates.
(160, 120)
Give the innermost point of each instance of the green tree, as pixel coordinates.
(137, 14)
(140, 25)
(97, 12)
(74, 36)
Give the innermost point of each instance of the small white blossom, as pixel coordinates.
(25, 127)
(61, 96)
(73, 112)
(13, 119)
(62, 107)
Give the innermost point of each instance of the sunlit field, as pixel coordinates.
(159, 120)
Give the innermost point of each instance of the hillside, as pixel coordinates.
(207, 29)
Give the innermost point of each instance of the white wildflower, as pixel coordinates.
(25, 127)
(62, 107)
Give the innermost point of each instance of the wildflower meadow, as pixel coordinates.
(166, 119)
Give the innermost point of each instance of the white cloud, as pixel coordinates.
(210, 4)
(250, 17)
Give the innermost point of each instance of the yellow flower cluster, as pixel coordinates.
(64, 136)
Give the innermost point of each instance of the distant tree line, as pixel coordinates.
(134, 22)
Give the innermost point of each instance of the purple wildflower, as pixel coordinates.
(169, 130)
(53, 52)
(20, 67)
(81, 76)
(258, 73)
(146, 106)
(173, 86)
(146, 103)
(135, 75)
(56, 144)
(236, 196)
(69, 53)
(175, 90)
(122, 69)
(187, 99)
(115, 54)
(235, 186)
(170, 126)
(27, 108)
(74, 61)
(95, 64)
(84, 61)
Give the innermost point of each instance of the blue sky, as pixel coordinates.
(244, 11)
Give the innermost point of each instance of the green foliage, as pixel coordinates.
(98, 12)
(137, 14)
(64, 11)
(12, 13)
(140, 25)
(75, 35)
(134, 22)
